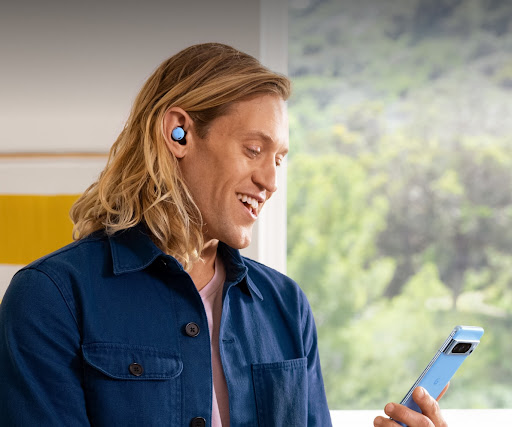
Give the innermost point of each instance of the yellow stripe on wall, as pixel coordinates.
(33, 225)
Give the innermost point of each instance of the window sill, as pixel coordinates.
(454, 417)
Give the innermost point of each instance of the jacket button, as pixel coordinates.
(192, 329)
(198, 422)
(136, 369)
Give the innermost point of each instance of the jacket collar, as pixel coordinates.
(236, 270)
(133, 250)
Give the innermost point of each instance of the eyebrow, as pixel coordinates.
(263, 136)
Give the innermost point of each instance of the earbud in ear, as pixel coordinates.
(178, 135)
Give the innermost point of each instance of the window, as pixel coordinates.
(400, 191)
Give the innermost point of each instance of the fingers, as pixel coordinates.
(400, 413)
(391, 408)
(431, 416)
(384, 422)
(429, 406)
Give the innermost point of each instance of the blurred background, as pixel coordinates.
(400, 190)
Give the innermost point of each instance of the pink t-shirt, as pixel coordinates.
(211, 295)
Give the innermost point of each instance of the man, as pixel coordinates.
(152, 317)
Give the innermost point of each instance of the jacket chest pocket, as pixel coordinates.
(281, 392)
(131, 385)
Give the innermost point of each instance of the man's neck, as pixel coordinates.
(204, 269)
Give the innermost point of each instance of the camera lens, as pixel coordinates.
(461, 347)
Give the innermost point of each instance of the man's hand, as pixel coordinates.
(431, 416)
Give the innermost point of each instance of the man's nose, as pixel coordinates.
(265, 177)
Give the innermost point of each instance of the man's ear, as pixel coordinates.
(177, 117)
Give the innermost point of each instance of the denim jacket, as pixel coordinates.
(99, 333)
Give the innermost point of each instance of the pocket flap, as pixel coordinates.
(114, 360)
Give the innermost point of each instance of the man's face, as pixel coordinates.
(232, 172)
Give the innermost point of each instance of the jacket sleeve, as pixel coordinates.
(40, 358)
(318, 410)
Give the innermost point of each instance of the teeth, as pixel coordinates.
(249, 200)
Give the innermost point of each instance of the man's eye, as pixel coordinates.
(279, 161)
(253, 152)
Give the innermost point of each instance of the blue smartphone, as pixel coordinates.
(459, 345)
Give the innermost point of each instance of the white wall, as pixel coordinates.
(71, 69)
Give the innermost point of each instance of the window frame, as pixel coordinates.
(269, 234)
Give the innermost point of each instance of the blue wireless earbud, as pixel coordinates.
(178, 135)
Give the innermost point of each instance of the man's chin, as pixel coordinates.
(242, 244)
(242, 241)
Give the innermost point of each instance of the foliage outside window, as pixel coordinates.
(400, 190)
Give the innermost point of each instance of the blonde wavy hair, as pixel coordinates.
(141, 182)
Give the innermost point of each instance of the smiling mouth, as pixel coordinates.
(250, 203)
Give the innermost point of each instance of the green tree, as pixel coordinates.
(400, 190)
